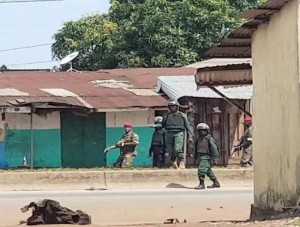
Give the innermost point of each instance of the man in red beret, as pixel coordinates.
(127, 146)
(246, 144)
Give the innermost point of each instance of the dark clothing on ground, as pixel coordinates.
(51, 212)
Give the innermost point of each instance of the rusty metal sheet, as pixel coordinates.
(255, 17)
(232, 52)
(126, 102)
(256, 13)
(218, 62)
(59, 87)
(226, 77)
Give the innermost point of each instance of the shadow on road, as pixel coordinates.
(96, 189)
(174, 185)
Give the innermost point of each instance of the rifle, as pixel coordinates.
(236, 146)
(108, 149)
(121, 143)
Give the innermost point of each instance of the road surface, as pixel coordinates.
(118, 207)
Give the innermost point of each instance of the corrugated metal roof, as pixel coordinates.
(143, 92)
(256, 17)
(184, 86)
(60, 92)
(60, 88)
(12, 92)
(224, 77)
(216, 62)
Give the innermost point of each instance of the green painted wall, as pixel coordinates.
(84, 143)
(47, 147)
(83, 140)
(145, 134)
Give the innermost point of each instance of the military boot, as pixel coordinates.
(174, 165)
(215, 184)
(181, 165)
(201, 185)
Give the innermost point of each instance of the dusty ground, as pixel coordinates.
(216, 224)
(124, 207)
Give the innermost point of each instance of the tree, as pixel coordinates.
(3, 68)
(149, 33)
(168, 33)
(91, 36)
(242, 5)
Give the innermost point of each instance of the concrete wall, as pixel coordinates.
(46, 139)
(141, 121)
(276, 116)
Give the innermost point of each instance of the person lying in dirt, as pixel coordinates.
(49, 211)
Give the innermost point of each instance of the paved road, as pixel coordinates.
(138, 206)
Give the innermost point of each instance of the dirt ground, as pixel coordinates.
(288, 222)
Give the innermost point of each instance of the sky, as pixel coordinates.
(28, 24)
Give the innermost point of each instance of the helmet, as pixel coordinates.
(158, 119)
(248, 120)
(202, 126)
(172, 103)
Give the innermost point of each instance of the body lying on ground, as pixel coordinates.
(49, 211)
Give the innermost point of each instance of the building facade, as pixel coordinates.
(67, 119)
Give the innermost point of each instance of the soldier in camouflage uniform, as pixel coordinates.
(176, 123)
(127, 146)
(206, 151)
(246, 144)
(158, 144)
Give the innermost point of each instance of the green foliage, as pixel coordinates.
(149, 33)
(3, 68)
(92, 37)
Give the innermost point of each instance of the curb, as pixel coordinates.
(118, 179)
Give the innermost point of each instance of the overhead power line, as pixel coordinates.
(30, 63)
(23, 1)
(26, 47)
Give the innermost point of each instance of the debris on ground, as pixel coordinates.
(172, 221)
(49, 211)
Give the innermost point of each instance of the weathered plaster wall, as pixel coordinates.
(276, 116)
(141, 121)
(46, 139)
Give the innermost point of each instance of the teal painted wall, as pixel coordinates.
(47, 147)
(83, 140)
(142, 160)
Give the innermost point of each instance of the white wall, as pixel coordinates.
(22, 121)
(138, 118)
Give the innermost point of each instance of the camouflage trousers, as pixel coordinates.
(204, 169)
(124, 160)
(247, 157)
(175, 143)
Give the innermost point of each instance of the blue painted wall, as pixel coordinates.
(3, 162)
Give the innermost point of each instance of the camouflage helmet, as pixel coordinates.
(203, 126)
(158, 119)
(172, 103)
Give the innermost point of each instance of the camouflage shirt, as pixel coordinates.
(130, 141)
(246, 141)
